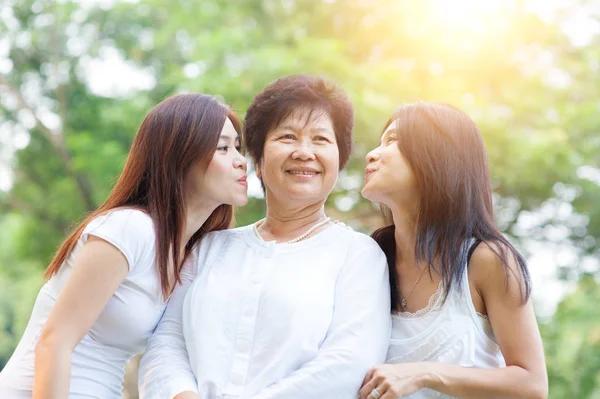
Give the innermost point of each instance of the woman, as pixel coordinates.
(463, 324)
(110, 278)
(291, 306)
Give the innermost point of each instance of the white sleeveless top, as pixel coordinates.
(451, 332)
(122, 328)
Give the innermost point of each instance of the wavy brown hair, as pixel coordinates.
(175, 135)
(447, 156)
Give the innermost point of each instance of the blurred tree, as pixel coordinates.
(77, 78)
(572, 344)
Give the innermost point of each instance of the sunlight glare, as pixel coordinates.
(469, 15)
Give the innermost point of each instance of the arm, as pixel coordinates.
(165, 370)
(357, 338)
(516, 331)
(518, 337)
(99, 270)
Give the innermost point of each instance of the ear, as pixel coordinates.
(258, 170)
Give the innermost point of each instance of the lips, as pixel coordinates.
(307, 172)
(243, 180)
(369, 172)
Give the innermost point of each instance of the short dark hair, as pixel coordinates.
(275, 103)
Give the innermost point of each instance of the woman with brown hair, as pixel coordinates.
(462, 319)
(110, 279)
(292, 306)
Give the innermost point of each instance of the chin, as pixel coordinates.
(240, 201)
(366, 193)
(372, 195)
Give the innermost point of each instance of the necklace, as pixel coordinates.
(300, 237)
(402, 297)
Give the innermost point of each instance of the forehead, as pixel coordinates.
(307, 117)
(391, 129)
(228, 130)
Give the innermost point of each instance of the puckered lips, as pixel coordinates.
(243, 180)
(302, 172)
(369, 171)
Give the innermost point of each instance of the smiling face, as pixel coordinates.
(389, 179)
(301, 158)
(224, 180)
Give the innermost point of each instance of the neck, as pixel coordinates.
(195, 216)
(405, 235)
(287, 221)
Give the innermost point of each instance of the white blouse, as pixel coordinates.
(449, 332)
(266, 320)
(122, 328)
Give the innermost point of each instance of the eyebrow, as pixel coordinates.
(388, 133)
(321, 130)
(313, 130)
(227, 137)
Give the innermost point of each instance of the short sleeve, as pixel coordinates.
(131, 231)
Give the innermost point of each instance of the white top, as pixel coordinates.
(451, 332)
(121, 330)
(265, 320)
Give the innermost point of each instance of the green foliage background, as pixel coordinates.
(64, 134)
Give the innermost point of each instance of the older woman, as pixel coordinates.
(463, 324)
(293, 306)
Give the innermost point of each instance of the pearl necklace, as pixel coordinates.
(300, 237)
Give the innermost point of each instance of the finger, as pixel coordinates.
(368, 376)
(368, 387)
(380, 386)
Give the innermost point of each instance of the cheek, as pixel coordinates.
(404, 174)
(219, 168)
(331, 159)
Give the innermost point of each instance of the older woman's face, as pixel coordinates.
(301, 158)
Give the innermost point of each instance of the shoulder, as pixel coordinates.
(131, 224)
(224, 235)
(124, 218)
(490, 272)
(129, 230)
(357, 240)
(360, 246)
(215, 240)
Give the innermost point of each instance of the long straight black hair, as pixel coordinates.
(447, 155)
(175, 135)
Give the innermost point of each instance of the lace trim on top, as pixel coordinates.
(433, 305)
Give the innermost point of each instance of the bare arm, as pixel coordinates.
(516, 332)
(99, 270)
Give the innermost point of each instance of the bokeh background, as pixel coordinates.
(76, 79)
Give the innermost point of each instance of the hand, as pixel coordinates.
(393, 381)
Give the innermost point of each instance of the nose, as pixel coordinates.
(373, 155)
(240, 162)
(304, 152)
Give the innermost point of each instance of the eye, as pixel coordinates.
(322, 138)
(391, 139)
(223, 148)
(288, 137)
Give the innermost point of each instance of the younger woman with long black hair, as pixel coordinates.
(462, 323)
